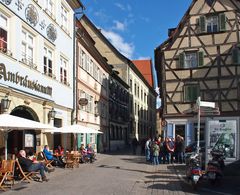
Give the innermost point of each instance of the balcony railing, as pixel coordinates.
(50, 75)
(28, 61)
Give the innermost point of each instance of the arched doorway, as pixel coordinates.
(26, 139)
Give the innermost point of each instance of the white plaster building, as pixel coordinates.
(36, 66)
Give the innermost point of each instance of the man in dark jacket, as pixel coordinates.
(30, 166)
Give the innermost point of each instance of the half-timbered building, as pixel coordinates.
(201, 58)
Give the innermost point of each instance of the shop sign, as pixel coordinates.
(24, 81)
(83, 101)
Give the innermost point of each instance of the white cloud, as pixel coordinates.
(144, 58)
(119, 25)
(118, 42)
(123, 7)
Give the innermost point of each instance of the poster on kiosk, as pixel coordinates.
(221, 136)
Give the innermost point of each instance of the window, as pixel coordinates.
(91, 67)
(47, 62)
(212, 23)
(27, 47)
(236, 55)
(191, 59)
(64, 18)
(130, 83)
(135, 89)
(3, 32)
(191, 93)
(63, 71)
(83, 59)
(49, 7)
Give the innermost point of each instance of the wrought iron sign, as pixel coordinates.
(51, 32)
(7, 2)
(31, 15)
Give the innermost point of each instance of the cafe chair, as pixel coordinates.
(7, 174)
(26, 175)
(48, 163)
(69, 160)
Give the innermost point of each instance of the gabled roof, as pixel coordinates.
(145, 67)
(75, 4)
(116, 52)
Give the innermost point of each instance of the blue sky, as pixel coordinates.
(136, 27)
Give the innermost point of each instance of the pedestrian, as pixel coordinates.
(156, 150)
(147, 149)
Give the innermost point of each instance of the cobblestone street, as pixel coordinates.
(110, 175)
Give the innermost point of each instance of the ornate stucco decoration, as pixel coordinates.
(19, 4)
(42, 24)
(31, 15)
(7, 2)
(51, 32)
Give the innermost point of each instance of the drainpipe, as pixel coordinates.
(74, 111)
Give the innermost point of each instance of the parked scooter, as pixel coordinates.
(194, 170)
(215, 167)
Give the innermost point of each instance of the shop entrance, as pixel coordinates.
(26, 139)
(180, 130)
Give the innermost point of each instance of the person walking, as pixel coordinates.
(147, 150)
(156, 150)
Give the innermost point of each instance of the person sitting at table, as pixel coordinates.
(60, 150)
(30, 166)
(85, 156)
(50, 156)
(91, 152)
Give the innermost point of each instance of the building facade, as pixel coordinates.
(92, 84)
(128, 72)
(201, 59)
(118, 112)
(36, 67)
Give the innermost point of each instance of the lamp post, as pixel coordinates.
(52, 114)
(5, 104)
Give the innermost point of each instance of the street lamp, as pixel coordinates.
(5, 103)
(52, 113)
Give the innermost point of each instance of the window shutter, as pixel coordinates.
(222, 22)
(181, 60)
(202, 23)
(235, 55)
(200, 58)
(187, 93)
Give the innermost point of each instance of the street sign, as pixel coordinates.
(207, 104)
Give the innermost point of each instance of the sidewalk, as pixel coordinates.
(229, 184)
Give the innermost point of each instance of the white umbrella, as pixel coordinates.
(9, 123)
(76, 128)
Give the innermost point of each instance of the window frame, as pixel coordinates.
(64, 71)
(48, 73)
(26, 57)
(191, 98)
(6, 29)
